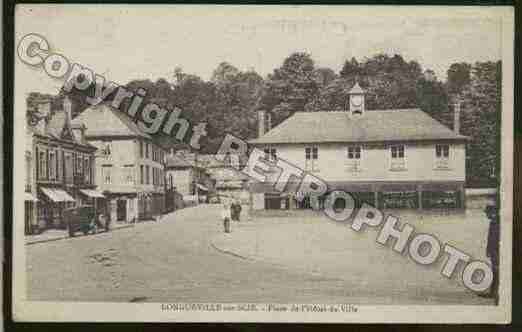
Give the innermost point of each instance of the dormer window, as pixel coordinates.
(398, 158)
(354, 158)
(442, 156)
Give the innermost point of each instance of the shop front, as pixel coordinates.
(51, 203)
(94, 198)
(30, 226)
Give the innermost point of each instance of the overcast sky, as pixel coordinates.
(143, 41)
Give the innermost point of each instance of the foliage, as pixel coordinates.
(290, 87)
(229, 101)
(481, 109)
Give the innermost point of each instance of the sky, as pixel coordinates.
(127, 42)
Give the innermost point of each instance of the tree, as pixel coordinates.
(459, 76)
(433, 99)
(350, 68)
(290, 87)
(390, 83)
(481, 108)
(223, 73)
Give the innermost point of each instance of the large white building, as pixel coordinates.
(390, 158)
(130, 167)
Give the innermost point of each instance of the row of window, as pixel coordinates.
(354, 156)
(127, 175)
(57, 165)
(148, 150)
(152, 175)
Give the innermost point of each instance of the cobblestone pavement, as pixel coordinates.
(173, 260)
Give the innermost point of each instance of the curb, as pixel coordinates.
(228, 252)
(28, 243)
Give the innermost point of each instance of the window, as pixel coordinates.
(128, 174)
(398, 161)
(442, 156)
(87, 170)
(270, 154)
(170, 181)
(68, 170)
(147, 174)
(107, 174)
(311, 156)
(141, 149)
(146, 150)
(59, 161)
(79, 164)
(28, 169)
(354, 158)
(106, 149)
(141, 174)
(52, 165)
(42, 165)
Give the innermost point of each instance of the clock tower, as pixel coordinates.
(356, 100)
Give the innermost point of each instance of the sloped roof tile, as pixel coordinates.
(373, 126)
(104, 120)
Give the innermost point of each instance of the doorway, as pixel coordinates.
(121, 210)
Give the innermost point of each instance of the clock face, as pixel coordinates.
(356, 100)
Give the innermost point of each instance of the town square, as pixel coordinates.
(270, 165)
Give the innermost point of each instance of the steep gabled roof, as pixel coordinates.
(57, 128)
(104, 120)
(373, 126)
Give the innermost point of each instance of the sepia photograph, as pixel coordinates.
(262, 163)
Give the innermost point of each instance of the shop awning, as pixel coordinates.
(57, 195)
(201, 187)
(30, 197)
(92, 193)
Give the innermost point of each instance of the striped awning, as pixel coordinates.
(57, 195)
(92, 193)
(30, 197)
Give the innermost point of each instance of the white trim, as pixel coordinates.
(404, 158)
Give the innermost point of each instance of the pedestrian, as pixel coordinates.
(233, 209)
(225, 214)
(493, 248)
(237, 205)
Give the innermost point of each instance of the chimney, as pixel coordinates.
(44, 112)
(44, 108)
(79, 132)
(260, 123)
(67, 105)
(456, 115)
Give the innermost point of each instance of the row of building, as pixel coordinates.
(101, 158)
(390, 158)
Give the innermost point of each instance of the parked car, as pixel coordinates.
(82, 219)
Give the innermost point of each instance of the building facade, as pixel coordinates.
(228, 181)
(129, 165)
(59, 169)
(389, 158)
(187, 178)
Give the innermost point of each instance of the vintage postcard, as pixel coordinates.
(263, 163)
